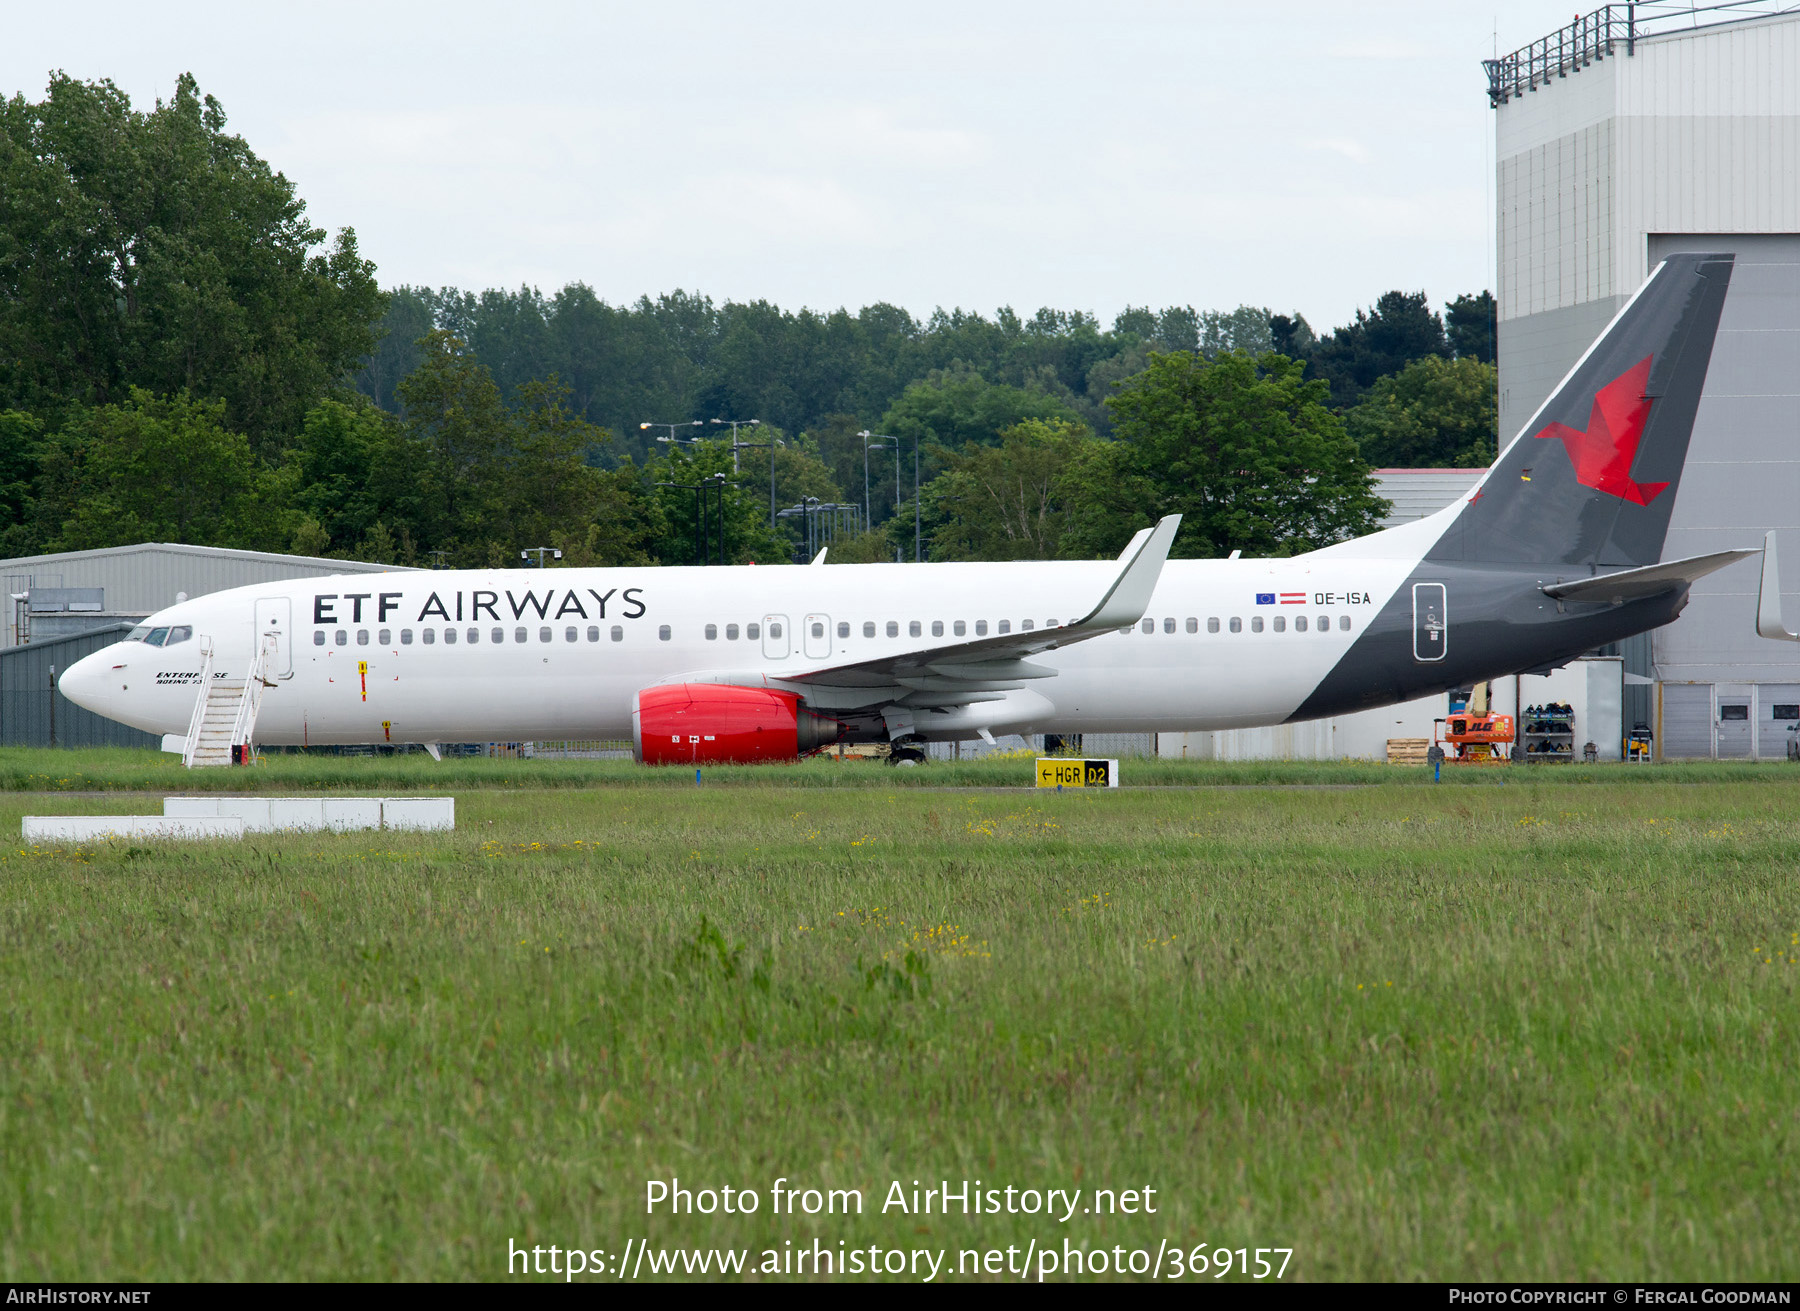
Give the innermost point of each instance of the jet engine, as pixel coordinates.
(705, 723)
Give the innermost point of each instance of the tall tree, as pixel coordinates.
(1434, 413)
(1004, 502)
(1400, 329)
(156, 250)
(1472, 323)
(157, 469)
(1247, 451)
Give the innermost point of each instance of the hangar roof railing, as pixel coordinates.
(1611, 30)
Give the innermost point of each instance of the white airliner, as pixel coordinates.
(1557, 551)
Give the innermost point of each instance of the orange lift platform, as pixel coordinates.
(1471, 739)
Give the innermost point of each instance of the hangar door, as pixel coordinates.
(1686, 721)
(1777, 713)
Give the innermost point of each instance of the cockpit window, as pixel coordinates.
(157, 636)
(181, 634)
(138, 634)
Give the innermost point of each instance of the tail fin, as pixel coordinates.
(1592, 478)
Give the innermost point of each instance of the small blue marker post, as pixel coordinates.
(696, 778)
(1437, 772)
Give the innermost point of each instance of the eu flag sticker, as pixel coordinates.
(1265, 598)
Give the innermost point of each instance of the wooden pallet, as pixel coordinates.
(1407, 750)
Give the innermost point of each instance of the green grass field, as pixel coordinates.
(1529, 1024)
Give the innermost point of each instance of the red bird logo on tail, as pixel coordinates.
(1603, 454)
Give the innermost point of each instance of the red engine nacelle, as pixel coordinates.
(703, 723)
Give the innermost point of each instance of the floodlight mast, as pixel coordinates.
(539, 552)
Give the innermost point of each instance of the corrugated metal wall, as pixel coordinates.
(26, 701)
(147, 577)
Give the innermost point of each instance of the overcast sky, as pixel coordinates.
(1089, 156)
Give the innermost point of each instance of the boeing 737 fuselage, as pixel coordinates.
(1556, 551)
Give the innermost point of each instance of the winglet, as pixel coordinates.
(1768, 597)
(1125, 601)
(820, 557)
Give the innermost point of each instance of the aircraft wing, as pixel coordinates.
(979, 669)
(999, 663)
(1634, 584)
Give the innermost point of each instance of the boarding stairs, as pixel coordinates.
(225, 710)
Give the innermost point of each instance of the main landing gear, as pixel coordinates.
(906, 753)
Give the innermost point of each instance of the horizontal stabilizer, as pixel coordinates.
(1768, 598)
(1651, 580)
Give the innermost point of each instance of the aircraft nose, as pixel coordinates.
(84, 681)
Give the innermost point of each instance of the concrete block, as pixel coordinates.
(344, 814)
(190, 805)
(303, 814)
(254, 811)
(419, 814)
(100, 828)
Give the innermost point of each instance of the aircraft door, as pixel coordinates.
(274, 616)
(818, 637)
(1431, 624)
(775, 637)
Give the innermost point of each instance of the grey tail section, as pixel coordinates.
(1591, 480)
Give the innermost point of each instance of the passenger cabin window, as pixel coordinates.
(937, 627)
(499, 635)
(869, 628)
(362, 637)
(343, 638)
(662, 633)
(1279, 624)
(981, 628)
(712, 632)
(570, 634)
(893, 628)
(1212, 624)
(1149, 625)
(318, 637)
(428, 636)
(1168, 625)
(1193, 624)
(1237, 625)
(843, 628)
(1324, 623)
(774, 630)
(449, 637)
(618, 633)
(406, 637)
(959, 628)
(913, 629)
(1026, 625)
(518, 634)
(751, 631)
(1256, 623)
(593, 633)
(1299, 623)
(1343, 623)
(731, 632)
(1005, 626)
(818, 629)
(474, 636)
(384, 637)
(544, 635)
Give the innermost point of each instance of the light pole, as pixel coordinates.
(672, 427)
(701, 489)
(736, 445)
(878, 441)
(540, 552)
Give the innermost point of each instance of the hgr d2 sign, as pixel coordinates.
(1054, 773)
